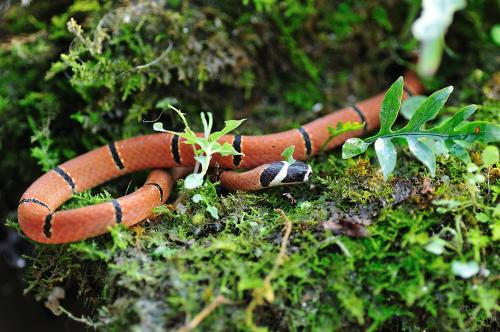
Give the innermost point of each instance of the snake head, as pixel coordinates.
(282, 173)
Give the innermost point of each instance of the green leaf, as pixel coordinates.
(423, 153)
(410, 105)
(428, 110)
(480, 131)
(386, 155)
(458, 151)
(495, 230)
(344, 127)
(158, 126)
(465, 144)
(454, 135)
(213, 211)
(288, 154)
(457, 119)
(436, 145)
(191, 137)
(425, 110)
(482, 217)
(193, 181)
(495, 34)
(353, 147)
(197, 198)
(227, 149)
(229, 126)
(471, 168)
(465, 270)
(166, 102)
(205, 144)
(390, 106)
(436, 246)
(490, 156)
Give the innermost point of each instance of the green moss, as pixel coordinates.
(271, 62)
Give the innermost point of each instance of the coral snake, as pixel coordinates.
(37, 208)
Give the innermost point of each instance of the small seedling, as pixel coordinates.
(210, 208)
(474, 176)
(204, 146)
(454, 135)
(288, 154)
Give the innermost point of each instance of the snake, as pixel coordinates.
(168, 157)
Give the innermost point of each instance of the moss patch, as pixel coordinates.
(361, 254)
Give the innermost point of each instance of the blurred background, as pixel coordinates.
(72, 78)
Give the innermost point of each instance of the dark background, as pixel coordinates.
(20, 312)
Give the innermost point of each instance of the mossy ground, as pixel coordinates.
(291, 258)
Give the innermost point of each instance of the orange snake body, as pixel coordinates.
(37, 208)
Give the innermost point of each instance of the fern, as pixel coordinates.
(342, 127)
(453, 136)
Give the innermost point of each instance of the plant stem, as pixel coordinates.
(192, 324)
(430, 57)
(421, 134)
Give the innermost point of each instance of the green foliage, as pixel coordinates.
(117, 63)
(279, 64)
(204, 146)
(210, 208)
(411, 105)
(397, 274)
(342, 127)
(87, 198)
(455, 133)
(380, 15)
(495, 34)
(288, 154)
(47, 157)
(490, 156)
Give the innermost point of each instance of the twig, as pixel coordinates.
(21, 40)
(266, 291)
(84, 320)
(284, 242)
(149, 64)
(155, 61)
(192, 324)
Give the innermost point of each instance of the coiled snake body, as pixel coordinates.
(37, 208)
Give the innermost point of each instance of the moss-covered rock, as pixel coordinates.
(348, 251)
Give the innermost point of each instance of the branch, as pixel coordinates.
(191, 325)
(266, 291)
